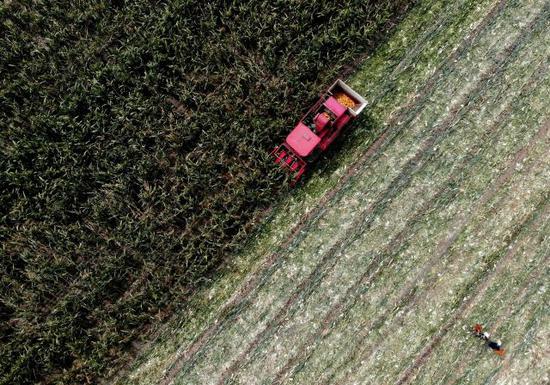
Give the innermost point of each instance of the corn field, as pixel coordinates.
(133, 141)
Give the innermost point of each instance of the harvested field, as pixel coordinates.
(376, 270)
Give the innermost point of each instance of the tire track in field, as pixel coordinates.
(412, 108)
(361, 223)
(457, 317)
(527, 342)
(372, 153)
(498, 320)
(397, 242)
(480, 286)
(423, 41)
(521, 297)
(402, 299)
(521, 155)
(380, 260)
(522, 294)
(393, 248)
(510, 311)
(412, 53)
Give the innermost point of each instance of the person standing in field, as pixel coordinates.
(485, 336)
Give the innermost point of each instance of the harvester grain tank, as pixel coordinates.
(318, 128)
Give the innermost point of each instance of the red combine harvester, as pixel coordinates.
(314, 133)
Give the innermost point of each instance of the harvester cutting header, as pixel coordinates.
(314, 133)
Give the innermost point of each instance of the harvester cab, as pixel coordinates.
(318, 128)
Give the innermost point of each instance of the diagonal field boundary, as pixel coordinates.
(422, 41)
(397, 242)
(372, 152)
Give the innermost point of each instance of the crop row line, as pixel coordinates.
(451, 19)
